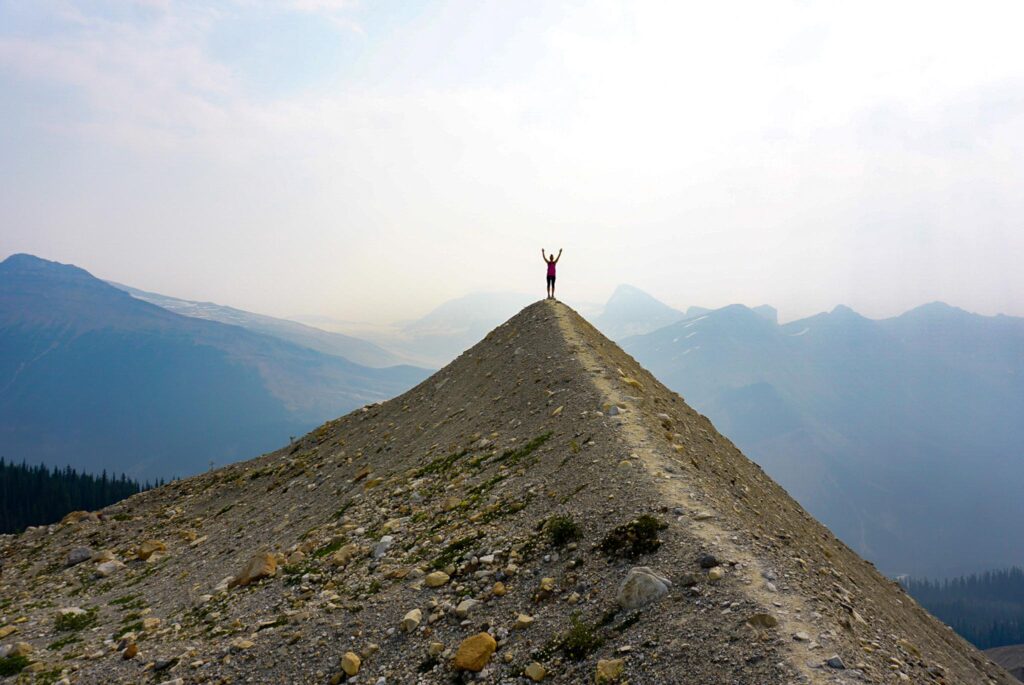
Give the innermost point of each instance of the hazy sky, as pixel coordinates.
(367, 160)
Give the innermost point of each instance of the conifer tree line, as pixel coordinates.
(985, 609)
(36, 495)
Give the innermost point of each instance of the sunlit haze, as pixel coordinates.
(369, 160)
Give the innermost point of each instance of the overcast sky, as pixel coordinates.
(367, 160)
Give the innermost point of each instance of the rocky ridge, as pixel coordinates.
(540, 510)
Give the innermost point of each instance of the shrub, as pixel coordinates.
(630, 540)
(562, 530)
(69, 622)
(12, 665)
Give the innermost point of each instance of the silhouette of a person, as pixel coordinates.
(551, 260)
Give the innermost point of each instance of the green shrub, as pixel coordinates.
(630, 540)
(12, 665)
(562, 530)
(70, 622)
(579, 641)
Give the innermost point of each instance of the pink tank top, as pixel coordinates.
(551, 268)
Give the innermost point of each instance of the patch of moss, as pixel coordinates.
(12, 665)
(76, 622)
(630, 540)
(441, 464)
(453, 551)
(513, 456)
(63, 642)
(329, 548)
(129, 628)
(561, 530)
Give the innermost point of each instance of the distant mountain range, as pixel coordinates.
(336, 344)
(904, 435)
(93, 377)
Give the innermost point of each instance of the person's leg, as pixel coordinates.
(552, 287)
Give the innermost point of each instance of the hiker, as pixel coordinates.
(551, 260)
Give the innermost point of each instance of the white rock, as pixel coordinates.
(641, 586)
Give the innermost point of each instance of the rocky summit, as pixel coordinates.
(540, 510)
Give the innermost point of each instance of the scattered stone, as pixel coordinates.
(435, 648)
(801, 637)
(150, 623)
(535, 672)
(130, 651)
(149, 548)
(835, 661)
(240, 644)
(465, 607)
(108, 568)
(262, 565)
(383, 546)
(523, 621)
(436, 579)
(78, 555)
(715, 574)
(499, 589)
(7, 630)
(475, 652)
(350, 663)
(609, 670)
(411, 620)
(762, 621)
(641, 586)
(708, 561)
(344, 555)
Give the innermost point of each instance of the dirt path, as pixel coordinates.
(789, 609)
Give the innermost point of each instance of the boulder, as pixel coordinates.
(344, 555)
(262, 565)
(108, 568)
(535, 672)
(436, 579)
(411, 620)
(77, 555)
(609, 670)
(475, 652)
(350, 663)
(641, 586)
(149, 548)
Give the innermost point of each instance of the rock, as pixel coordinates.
(835, 661)
(499, 589)
(523, 621)
(475, 652)
(465, 606)
(801, 637)
(535, 672)
(130, 651)
(262, 565)
(78, 555)
(20, 649)
(762, 621)
(547, 584)
(108, 568)
(411, 620)
(609, 670)
(715, 574)
(708, 561)
(344, 555)
(435, 648)
(75, 517)
(436, 579)
(240, 644)
(7, 630)
(350, 663)
(150, 623)
(383, 546)
(149, 548)
(642, 586)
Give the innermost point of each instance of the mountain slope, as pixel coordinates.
(353, 349)
(92, 377)
(415, 536)
(888, 431)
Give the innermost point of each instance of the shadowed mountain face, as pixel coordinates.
(902, 435)
(92, 377)
(631, 311)
(540, 503)
(335, 344)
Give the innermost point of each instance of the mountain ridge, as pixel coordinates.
(409, 539)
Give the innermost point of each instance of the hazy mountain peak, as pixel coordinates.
(631, 311)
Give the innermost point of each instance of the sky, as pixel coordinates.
(369, 160)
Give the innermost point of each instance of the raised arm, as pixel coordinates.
(542, 255)
(559, 255)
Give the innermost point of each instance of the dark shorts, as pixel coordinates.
(551, 280)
